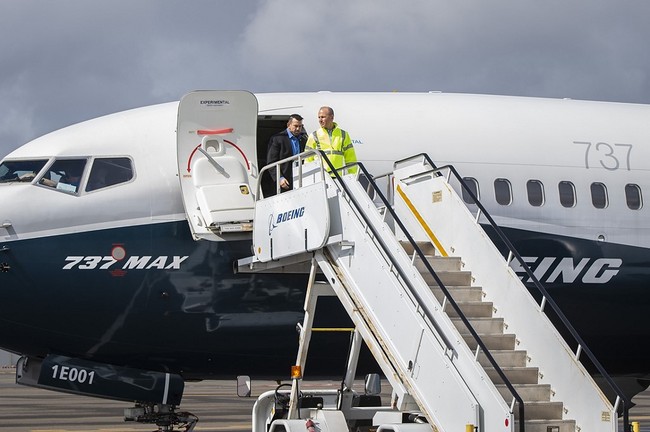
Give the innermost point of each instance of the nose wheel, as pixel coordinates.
(164, 416)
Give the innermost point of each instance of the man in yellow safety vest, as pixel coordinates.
(332, 140)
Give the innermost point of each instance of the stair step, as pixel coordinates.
(480, 325)
(548, 426)
(459, 293)
(426, 247)
(454, 278)
(505, 358)
(528, 392)
(516, 375)
(439, 263)
(472, 309)
(543, 410)
(542, 414)
(497, 341)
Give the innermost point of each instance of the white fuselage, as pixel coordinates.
(485, 137)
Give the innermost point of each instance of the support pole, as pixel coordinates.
(305, 337)
(353, 360)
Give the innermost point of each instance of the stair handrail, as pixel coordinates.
(334, 172)
(546, 297)
(300, 157)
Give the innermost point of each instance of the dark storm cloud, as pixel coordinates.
(580, 49)
(70, 60)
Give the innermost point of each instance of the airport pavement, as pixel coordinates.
(26, 409)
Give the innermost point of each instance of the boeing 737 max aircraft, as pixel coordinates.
(99, 264)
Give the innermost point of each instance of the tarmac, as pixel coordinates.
(27, 409)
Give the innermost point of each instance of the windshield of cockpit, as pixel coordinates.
(67, 174)
(64, 175)
(20, 170)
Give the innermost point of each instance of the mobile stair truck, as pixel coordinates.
(460, 339)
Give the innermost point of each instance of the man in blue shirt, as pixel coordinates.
(290, 141)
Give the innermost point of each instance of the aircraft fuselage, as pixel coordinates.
(113, 273)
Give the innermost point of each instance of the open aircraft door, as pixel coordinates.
(216, 148)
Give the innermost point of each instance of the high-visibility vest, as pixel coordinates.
(339, 150)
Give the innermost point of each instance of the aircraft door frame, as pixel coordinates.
(217, 162)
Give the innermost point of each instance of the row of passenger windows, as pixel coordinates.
(67, 175)
(566, 191)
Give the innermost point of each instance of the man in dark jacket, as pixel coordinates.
(290, 141)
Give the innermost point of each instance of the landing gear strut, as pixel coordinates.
(164, 416)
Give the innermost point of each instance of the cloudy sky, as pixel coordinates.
(66, 61)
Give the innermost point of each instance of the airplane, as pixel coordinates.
(112, 264)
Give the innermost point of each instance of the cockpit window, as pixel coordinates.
(64, 175)
(108, 172)
(20, 170)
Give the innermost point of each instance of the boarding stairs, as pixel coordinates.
(455, 331)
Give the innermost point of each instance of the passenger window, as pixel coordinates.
(567, 194)
(107, 172)
(472, 185)
(503, 191)
(535, 191)
(633, 196)
(64, 175)
(20, 171)
(599, 195)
